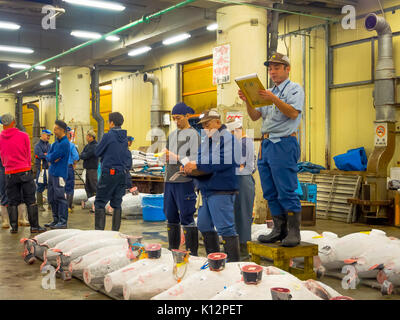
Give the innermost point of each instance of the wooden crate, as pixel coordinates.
(308, 214)
(281, 257)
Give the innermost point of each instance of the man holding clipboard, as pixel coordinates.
(280, 151)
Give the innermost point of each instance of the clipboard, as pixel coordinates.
(250, 85)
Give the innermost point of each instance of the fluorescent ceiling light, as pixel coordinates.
(107, 87)
(40, 68)
(19, 91)
(212, 27)
(85, 34)
(46, 82)
(139, 51)
(9, 25)
(19, 65)
(98, 4)
(112, 38)
(15, 49)
(175, 39)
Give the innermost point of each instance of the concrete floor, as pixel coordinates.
(21, 281)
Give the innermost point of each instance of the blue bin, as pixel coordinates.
(299, 190)
(153, 207)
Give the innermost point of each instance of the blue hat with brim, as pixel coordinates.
(47, 131)
(69, 129)
(130, 138)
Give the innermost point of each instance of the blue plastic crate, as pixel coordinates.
(153, 207)
(309, 192)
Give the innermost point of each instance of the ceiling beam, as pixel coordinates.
(309, 9)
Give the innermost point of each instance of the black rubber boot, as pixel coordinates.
(211, 241)
(191, 239)
(244, 254)
(116, 219)
(13, 216)
(33, 217)
(231, 247)
(174, 235)
(293, 237)
(39, 200)
(99, 219)
(279, 232)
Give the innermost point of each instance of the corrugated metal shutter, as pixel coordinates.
(198, 89)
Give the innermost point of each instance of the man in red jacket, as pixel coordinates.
(15, 153)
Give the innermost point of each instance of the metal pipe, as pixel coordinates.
(328, 62)
(95, 88)
(304, 113)
(309, 99)
(156, 102)
(178, 82)
(144, 19)
(385, 73)
(36, 123)
(18, 113)
(57, 98)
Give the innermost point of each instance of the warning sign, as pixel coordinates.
(381, 134)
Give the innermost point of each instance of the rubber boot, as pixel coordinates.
(62, 214)
(231, 247)
(174, 235)
(70, 198)
(21, 216)
(33, 216)
(55, 217)
(191, 239)
(279, 232)
(5, 221)
(116, 219)
(244, 254)
(99, 219)
(211, 241)
(13, 216)
(39, 200)
(293, 237)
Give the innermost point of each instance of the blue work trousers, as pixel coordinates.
(70, 183)
(40, 187)
(110, 188)
(58, 200)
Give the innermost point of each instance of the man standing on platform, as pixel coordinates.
(58, 172)
(280, 151)
(41, 149)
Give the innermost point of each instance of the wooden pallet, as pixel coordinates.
(333, 190)
(281, 257)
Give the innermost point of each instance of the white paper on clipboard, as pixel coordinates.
(41, 177)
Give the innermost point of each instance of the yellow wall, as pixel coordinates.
(352, 111)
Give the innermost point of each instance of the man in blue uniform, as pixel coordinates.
(58, 172)
(73, 159)
(41, 150)
(128, 175)
(218, 186)
(280, 151)
(116, 160)
(179, 195)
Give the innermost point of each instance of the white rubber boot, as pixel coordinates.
(4, 218)
(22, 216)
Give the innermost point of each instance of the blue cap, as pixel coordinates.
(182, 108)
(69, 129)
(130, 138)
(47, 131)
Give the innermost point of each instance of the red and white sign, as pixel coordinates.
(381, 134)
(234, 115)
(222, 64)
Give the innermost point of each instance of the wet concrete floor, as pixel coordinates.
(19, 281)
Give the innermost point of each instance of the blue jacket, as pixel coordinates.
(60, 149)
(113, 151)
(73, 155)
(40, 149)
(222, 176)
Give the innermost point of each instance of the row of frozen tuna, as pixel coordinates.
(118, 264)
(372, 253)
